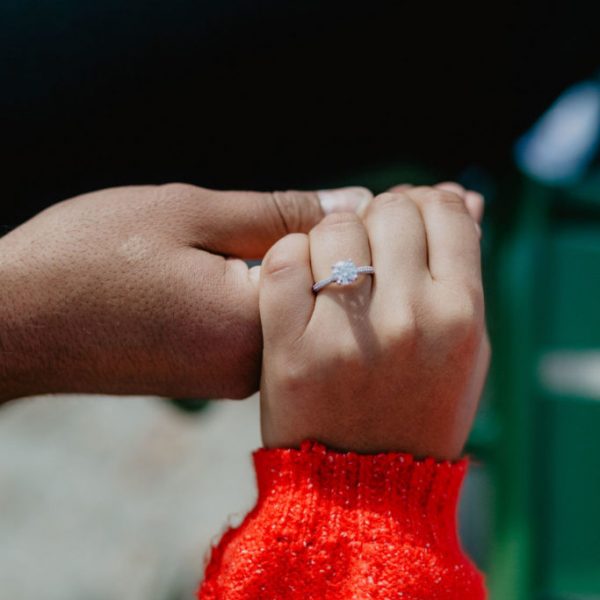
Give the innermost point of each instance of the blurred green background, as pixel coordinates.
(531, 511)
(531, 515)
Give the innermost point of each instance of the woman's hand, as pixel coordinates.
(394, 361)
(136, 289)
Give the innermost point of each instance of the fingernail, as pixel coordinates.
(478, 229)
(348, 199)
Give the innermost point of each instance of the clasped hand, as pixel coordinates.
(144, 290)
(395, 362)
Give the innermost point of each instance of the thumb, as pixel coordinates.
(247, 224)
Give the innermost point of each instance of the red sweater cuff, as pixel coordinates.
(343, 525)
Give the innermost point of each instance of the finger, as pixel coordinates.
(247, 224)
(449, 186)
(285, 292)
(452, 186)
(398, 244)
(473, 200)
(452, 241)
(254, 275)
(402, 187)
(338, 238)
(475, 205)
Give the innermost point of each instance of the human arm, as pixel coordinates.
(140, 289)
(391, 367)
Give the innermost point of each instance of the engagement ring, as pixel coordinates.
(344, 272)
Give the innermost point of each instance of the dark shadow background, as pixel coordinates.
(270, 93)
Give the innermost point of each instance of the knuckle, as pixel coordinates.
(286, 207)
(183, 199)
(388, 199)
(274, 265)
(341, 353)
(472, 298)
(346, 355)
(403, 331)
(297, 211)
(464, 318)
(443, 197)
(388, 204)
(294, 374)
(452, 187)
(341, 219)
(281, 258)
(178, 190)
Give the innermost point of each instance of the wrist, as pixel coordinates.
(413, 493)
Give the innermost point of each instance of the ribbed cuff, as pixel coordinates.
(342, 525)
(308, 486)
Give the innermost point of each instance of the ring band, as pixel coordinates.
(344, 272)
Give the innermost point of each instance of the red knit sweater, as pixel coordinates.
(336, 526)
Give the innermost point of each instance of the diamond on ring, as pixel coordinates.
(343, 272)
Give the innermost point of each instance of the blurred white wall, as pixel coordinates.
(106, 498)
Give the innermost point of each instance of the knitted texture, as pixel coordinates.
(336, 526)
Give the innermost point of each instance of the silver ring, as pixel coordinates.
(344, 272)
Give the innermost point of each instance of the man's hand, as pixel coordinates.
(393, 362)
(141, 290)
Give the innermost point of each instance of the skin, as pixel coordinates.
(394, 362)
(138, 290)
